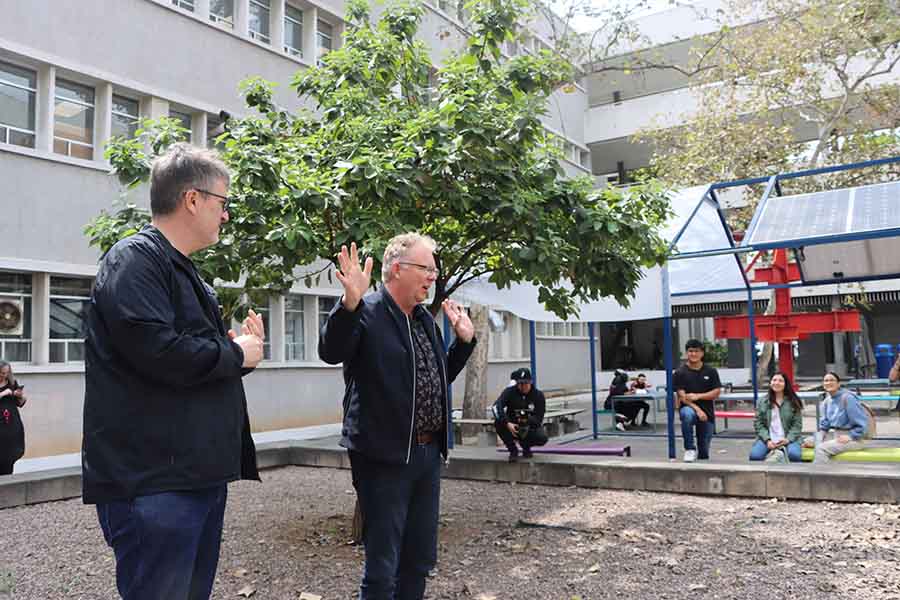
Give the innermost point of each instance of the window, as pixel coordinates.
(221, 12)
(124, 116)
(15, 297)
(73, 133)
(326, 303)
(294, 344)
(214, 128)
(185, 120)
(444, 5)
(185, 4)
(17, 105)
(324, 35)
(578, 330)
(259, 20)
(69, 303)
(293, 30)
(585, 157)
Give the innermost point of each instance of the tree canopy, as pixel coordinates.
(391, 143)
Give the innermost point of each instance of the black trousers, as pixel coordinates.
(535, 437)
(6, 468)
(631, 408)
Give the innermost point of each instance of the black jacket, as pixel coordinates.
(512, 399)
(164, 405)
(375, 344)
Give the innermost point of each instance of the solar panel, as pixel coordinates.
(834, 212)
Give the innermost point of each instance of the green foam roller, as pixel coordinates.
(887, 455)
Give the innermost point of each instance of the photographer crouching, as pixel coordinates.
(519, 415)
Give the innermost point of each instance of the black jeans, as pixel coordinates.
(6, 468)
(535, 437)
(399, 505)
(630, 409)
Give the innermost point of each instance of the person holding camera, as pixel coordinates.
(519, 415)
(12, 432)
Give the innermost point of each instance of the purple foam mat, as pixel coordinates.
(592, 449)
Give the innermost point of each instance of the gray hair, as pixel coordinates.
(10, 378)
(181, 168)
(399, 246)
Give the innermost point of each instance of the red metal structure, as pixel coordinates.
(784, 326)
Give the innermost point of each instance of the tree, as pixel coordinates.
(804, 87)
(459, 154)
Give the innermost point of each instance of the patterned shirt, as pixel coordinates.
(429, 392)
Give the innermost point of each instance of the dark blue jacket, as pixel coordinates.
(375, 344)
(164, 406)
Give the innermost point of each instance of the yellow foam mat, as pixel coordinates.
(865, 455)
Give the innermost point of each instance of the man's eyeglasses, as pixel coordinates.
(430, 270)
(225, 199)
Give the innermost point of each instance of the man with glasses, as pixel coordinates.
(396, 407)
(165, 417)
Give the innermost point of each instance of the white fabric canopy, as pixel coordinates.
(705, 231)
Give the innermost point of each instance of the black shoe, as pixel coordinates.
(513, 457)
(526, 453)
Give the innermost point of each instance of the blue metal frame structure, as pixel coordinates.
(772, 184)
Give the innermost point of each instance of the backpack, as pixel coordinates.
(870, 425)
(871, 428)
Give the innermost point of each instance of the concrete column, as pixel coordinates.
(310, 42)
(198, 129)
(201, 9)
(102, 118)
(154, 108)
(40, 318)
(46, 90)
(839, 339)
(276, 327)
(242, 17)
(311, 326)
(276, 24)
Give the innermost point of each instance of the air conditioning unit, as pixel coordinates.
(12, 316)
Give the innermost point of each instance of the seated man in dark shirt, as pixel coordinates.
(519, 415)
(696, 388)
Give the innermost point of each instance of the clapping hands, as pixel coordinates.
(253, 333)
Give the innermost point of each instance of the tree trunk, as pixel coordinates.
(475, 401)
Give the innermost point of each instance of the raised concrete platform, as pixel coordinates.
(840, 483)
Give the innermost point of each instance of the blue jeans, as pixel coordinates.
(167, 544)
(689, 422)
(399, 505)
(759, 451)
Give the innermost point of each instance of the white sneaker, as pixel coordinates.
(620, 426)
(690, 455)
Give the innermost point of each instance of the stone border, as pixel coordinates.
(836, 483)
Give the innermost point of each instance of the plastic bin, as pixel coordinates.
(884, 359)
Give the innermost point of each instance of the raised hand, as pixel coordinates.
(355, 280)
(253, 325)
(459, 320)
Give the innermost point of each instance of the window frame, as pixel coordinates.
(91, 106)
(288, 21)
(259, 36)
(136, 116)
(32, 117)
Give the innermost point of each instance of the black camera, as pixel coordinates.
(520, 417)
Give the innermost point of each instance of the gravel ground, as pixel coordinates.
(289, 536)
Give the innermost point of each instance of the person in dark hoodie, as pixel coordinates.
(519, 415)
(165, 417)
(396, 407)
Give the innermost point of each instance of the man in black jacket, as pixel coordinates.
(519, 415)
(165, 417)
(396, 407)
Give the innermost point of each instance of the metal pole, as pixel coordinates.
(449, 387)
(752, 320)
(668, 360)
(593, 377)
(531, 342)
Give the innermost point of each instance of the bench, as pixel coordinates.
(553, 421)
(882, 455)
(583, 450)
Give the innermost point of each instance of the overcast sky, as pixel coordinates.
(585, 24)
